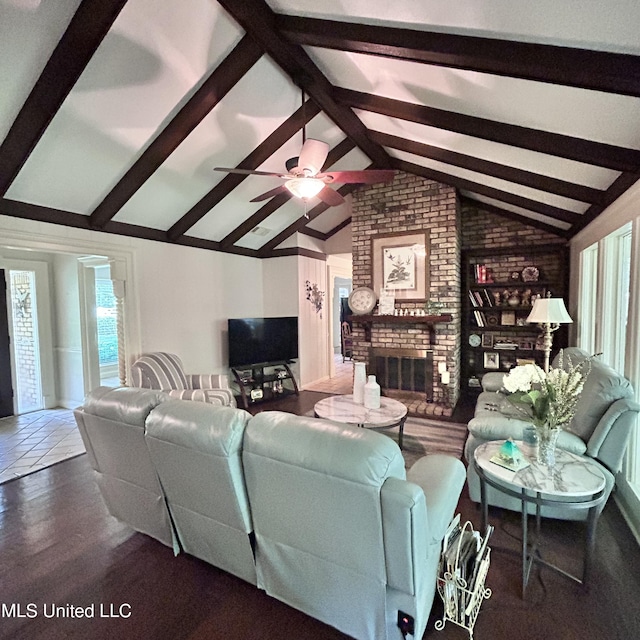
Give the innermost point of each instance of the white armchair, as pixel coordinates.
(164, 371)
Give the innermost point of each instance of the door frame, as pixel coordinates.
(337, 267)
(79, 247)
(44, 326)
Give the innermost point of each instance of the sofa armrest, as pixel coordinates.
(207, 380)
(609, 440)
(495, 426)
(441, 478)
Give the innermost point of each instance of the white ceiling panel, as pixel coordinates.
(607, 26)
(495, 183)
(541, 163)
(87, 147)
(29, 32)
(573, 112)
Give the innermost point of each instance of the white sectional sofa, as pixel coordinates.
(604, 419)
(321, 516)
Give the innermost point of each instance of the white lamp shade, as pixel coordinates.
(549, 311)
(304, 187)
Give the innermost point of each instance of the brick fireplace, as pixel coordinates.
(411, 204)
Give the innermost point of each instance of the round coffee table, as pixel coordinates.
(575, 482)
(343, 409)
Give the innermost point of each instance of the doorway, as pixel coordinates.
(25, 323)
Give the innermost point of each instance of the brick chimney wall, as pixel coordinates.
(482, 229)
(411, 204)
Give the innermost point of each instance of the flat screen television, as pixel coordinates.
(260, 340)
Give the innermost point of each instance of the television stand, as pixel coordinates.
(264, 381)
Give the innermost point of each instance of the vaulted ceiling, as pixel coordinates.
(114, 113)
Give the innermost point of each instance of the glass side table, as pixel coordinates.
(575, 482)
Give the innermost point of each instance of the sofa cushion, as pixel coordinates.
(602, 387)
(494, 426)
(491, 402)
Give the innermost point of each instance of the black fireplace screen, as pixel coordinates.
(409, 370)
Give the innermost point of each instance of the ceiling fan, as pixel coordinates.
(304, 178)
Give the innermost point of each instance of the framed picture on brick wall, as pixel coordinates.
(400, 264)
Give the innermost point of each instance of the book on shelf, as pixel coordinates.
(505, 345)
(480, 318)
(482, 274)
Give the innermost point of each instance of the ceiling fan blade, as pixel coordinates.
(330, 197)
(269, 194)
(312, 156)
(249, 172)
(370, 176)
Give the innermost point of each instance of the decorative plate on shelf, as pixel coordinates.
(474, 340)
(530, 274)
(362, 301)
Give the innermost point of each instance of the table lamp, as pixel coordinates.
(550, 313)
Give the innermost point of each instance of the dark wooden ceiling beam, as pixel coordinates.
(220, 82)
(574, 67)
(270, 246)
(26, 211)
(324, 235)
(623, 182)
(504, 172)
(262, 152)
(88, 27)
(587, 151)
(503, 196)
(517, 217)
(281, 199)
(259, 21)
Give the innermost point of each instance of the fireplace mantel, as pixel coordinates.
(429, 321)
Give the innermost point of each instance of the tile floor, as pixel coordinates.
(32, 441)
(342, 382)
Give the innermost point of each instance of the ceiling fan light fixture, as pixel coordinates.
(304, 188)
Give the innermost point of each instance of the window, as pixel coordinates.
(609, 319)
(587, 316)
(616, 261)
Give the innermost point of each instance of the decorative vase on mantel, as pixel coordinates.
(547, 438)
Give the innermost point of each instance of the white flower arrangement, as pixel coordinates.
(548, 400)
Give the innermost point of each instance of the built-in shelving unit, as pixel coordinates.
(498, 291)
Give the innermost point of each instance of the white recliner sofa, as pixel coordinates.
(112, 425)
(197, 452)
(319, 515)
(342, 532)
(604, 419)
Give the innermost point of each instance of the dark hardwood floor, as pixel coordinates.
(59, 546)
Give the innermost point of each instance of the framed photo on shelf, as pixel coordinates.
(526, 345)
(386, 303)
(487, 340)
(400, 264)
(508, 318)
(491, 360)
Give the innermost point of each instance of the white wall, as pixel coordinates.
(68, 333)
(186, 296)
(314, 325)
(178, 298)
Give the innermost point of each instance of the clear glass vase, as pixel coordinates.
(547, 438)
